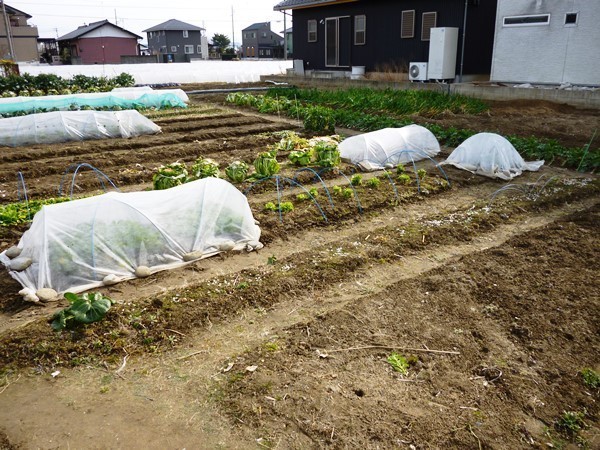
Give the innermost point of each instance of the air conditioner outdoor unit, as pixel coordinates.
(417, 71)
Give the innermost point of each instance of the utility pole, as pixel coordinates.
(8, 32)
(232, 30)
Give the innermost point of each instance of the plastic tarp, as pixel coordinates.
(389, 146)
(490, 155)
(128, 98)
(74, 245)
(63, 126)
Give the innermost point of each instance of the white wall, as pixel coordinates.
(554, 53)
(199, 72)
(107, 31)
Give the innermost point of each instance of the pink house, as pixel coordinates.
(99, 43)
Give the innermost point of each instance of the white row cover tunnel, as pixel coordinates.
(64, 126)
(389, 146)
(74, 246)
(486, 154)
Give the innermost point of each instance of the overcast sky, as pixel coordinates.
(59, 17)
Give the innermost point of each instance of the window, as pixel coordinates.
(173, 49)
(185, 33)
(407, 27)
(571, 19)
(429, 22)
(163, 49)
(360, 30)
(525, 21)
(312, 31)
(264, 34)
(150, 35)
(199, 49)
(188, 49)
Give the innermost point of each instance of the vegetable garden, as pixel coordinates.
(386, 309)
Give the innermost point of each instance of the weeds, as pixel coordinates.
(591, 378)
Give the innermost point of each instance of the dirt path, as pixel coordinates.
(508, 290)
(170, 399)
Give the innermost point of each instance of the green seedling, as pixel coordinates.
(398, 362)
(348, 193)
(356, 180)
(373, 183)
(571, 422)
(403, 179)
(85, 308)
(422, 173)
(400, 169)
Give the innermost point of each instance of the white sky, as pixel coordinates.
(60, 17)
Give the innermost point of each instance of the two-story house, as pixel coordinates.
(99, 42)
(177, 41)
(258, 41)
(21, 36)
(335, 35)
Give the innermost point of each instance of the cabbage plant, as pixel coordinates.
(237, 171)
(266, 164)
(204, 168)
(170, 176)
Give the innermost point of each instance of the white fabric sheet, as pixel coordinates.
(64, 126)
(490, 155)
(389, 146)
(74, 245)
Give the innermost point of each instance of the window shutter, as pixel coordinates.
(429, 22)
(407, 28)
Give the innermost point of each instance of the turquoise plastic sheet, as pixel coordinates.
(126, 99)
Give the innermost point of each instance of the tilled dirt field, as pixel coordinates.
(495, 306)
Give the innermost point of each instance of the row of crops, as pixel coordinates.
(369, 110)
(28, 85)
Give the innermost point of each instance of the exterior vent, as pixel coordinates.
(407, 28)
(429, 22)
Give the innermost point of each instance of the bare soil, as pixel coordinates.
(495, 305)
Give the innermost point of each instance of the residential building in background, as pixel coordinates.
(258, 41)
(23, 36)
(289, 41)
(380, 35)
(98, 43)
(177, 41)
(553, 41)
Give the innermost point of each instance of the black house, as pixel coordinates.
(339, 34)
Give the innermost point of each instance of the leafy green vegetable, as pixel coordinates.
(400, 169)
(302, 197)
(422, 173)
(85, 308)
(356, 180)
(270, 206)
(591, 378)
(204, 168)
(403, 179)
(286, 207)
(18, 213)
(337, 190)
(170, 176)
(319, 119)
(301, 157)
(374, 183)
(237, 171)
(327, 154)
(266, 164)
(348, 193)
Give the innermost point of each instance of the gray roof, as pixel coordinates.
(11, 10)
(258, 26)
(84, 29)
(174, 25)
(291, 4)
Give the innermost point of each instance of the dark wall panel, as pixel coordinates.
(384, 46)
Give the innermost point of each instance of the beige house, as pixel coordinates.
(24, 37)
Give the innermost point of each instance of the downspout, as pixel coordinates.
(284, 37)
(462, 51)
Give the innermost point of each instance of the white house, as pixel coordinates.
(547, 41)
